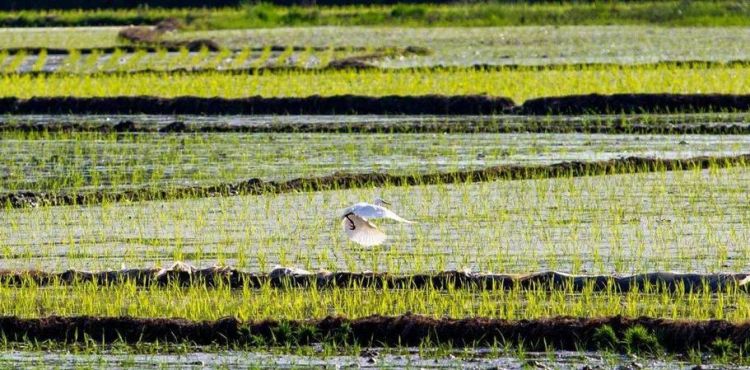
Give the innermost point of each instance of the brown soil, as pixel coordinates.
(357, 180)
(183, 274)
(152, 36)
(557, 333)
(343, 104)
(635, 103)
(151, 48)
(354, 104)
(468, 125)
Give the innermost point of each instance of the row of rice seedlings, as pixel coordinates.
(53, 162)
(263, 58)
(134, 61)
(70, 64)
(114, 60)
(690, 221)
(240, 59)
(282, 59)
(40, 62)
(519, 85)
(201, 303)
(325, 57)
(15, 62)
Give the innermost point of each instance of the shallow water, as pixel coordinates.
(408, 358)
(159, 61)
(691, 221)
(86, 161)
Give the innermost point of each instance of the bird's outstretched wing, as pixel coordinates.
(362, 231)
(368, 211)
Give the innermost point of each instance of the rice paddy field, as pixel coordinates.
(648, 194)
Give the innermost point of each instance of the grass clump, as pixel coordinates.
(640, 340)
(605, 338)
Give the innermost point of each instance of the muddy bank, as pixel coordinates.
(312, 105)
(510, 125)
(154, 49)
(393, 104)
(338, 181)
(635, 103)
(283, 277)
(654, 335)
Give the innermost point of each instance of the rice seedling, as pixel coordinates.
(263, 58)
(519, 85)
(239, 60)
(15, 62)
(40, 62)
(691, 221)
(53, 162)
(199, 303)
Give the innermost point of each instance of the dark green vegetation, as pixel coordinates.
(664, 13)
(644, 335)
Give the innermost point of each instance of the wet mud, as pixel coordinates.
(285, 277)
(556, 333)
(425, 126)
(635, 103)
(154, 49)
(392, 104)
(312, 105)
(338, 181)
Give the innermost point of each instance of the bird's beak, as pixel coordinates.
(384, 202)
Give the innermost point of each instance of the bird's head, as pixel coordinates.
(380, 202)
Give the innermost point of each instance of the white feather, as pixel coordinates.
(360, 230)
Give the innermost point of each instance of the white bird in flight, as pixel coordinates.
(358, 227)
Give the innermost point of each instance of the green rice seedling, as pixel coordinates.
(133, 61)
(325, 57)
(518, 84)
(221, 60)
(239, 59)
(199, 58)
(638, 339)
(113, 60)
(723, 348)
(40, 62)
(284, 57)
(605, 338)
(90, 63)
(3, 58)
(263, 58)
(71, 63)
(15, 62)
(303, 58)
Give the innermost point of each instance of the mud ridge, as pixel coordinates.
(338, 181)
(393, 104)
(153, 49)
(467, 126)
(634, 103)
(289, 277)
(313, 105)
(556, 333)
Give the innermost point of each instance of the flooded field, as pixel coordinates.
(557, 193)
(408, 358)
(692, 221)
(87, 161)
